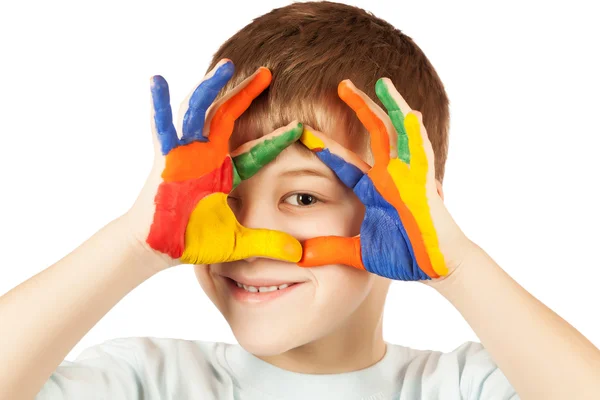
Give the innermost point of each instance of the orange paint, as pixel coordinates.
(381, 178)
(221, 125)
(200, 158)
(380, 142)
(320, 250)
(385, 186)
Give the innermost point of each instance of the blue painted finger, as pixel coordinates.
(163, 117)
(200, 101)
(348, 173)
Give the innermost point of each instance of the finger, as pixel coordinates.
(397, 108)
(201, 99)
(163, 127)
(419, 162)
(222, 115)
(327, 250)
(381, 130)
(348, 167)
(252, 156)
(265, 243)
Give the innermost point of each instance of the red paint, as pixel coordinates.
(175, 202)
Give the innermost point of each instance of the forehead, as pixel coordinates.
(327, 114)
(354, 140)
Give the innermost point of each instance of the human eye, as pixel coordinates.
(301, 199)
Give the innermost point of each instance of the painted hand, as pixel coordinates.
(407, 233)
(192, 220)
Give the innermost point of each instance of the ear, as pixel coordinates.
(439, 188)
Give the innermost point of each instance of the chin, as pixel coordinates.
(265, 344)
(322, 304)
(274, 332)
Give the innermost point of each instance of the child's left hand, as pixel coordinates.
(407, 233)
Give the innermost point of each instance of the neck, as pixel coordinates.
(356, 344)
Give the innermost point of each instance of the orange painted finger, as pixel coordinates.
(327, 250)
(222, 115)
(381, 130)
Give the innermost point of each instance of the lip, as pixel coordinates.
(243, 296)
(256, 282)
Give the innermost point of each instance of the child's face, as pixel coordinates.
(299, 195)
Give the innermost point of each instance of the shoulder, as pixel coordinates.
(138, 366)
(154, 356)
(468, 371)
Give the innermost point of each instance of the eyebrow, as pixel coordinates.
(306, 171)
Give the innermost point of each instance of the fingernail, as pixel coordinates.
(311, 141)
(293, 250)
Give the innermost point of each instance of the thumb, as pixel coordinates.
(265, 243)
(327, 250)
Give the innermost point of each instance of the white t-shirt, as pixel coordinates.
(162, 369)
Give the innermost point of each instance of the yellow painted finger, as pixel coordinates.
(266, 243)
(418, 158)
(316, 141)
(213, 235)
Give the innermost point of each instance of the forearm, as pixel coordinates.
(43, 318)
(541, 354)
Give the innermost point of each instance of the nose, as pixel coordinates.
(256, 215)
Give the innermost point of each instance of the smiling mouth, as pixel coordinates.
(262, 289)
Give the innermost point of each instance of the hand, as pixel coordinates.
(191, 221)
(407, 233)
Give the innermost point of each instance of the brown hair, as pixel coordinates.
(310, 48)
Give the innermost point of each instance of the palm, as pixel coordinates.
(192, 220)
(398, 239)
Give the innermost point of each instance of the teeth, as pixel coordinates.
(251, 289)
(267, 289)
(254, 289)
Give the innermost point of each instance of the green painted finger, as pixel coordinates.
(396, 116)
(236, 177)
(252, 156)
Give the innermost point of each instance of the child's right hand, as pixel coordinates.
(185, 217)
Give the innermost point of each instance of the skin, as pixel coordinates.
(192, 222)
(44, 317)
(541, 354)
(323, 326)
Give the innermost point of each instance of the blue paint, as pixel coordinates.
(163, 117)
(385, 247)
(193, 121)
(348, 173)
(201, 99)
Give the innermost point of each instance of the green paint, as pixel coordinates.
(397, 118)
(236, 177)
(250, 162)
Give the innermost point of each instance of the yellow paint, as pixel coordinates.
(213, 235)
(410, 181)
(311, 141)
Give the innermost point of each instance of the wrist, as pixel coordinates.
(447, 284)
(142, 255)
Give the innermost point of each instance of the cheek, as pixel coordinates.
(343, 219)
(207, 283)
(340, 291)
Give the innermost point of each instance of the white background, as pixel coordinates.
(521, 178)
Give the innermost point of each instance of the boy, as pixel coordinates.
(318, 333)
